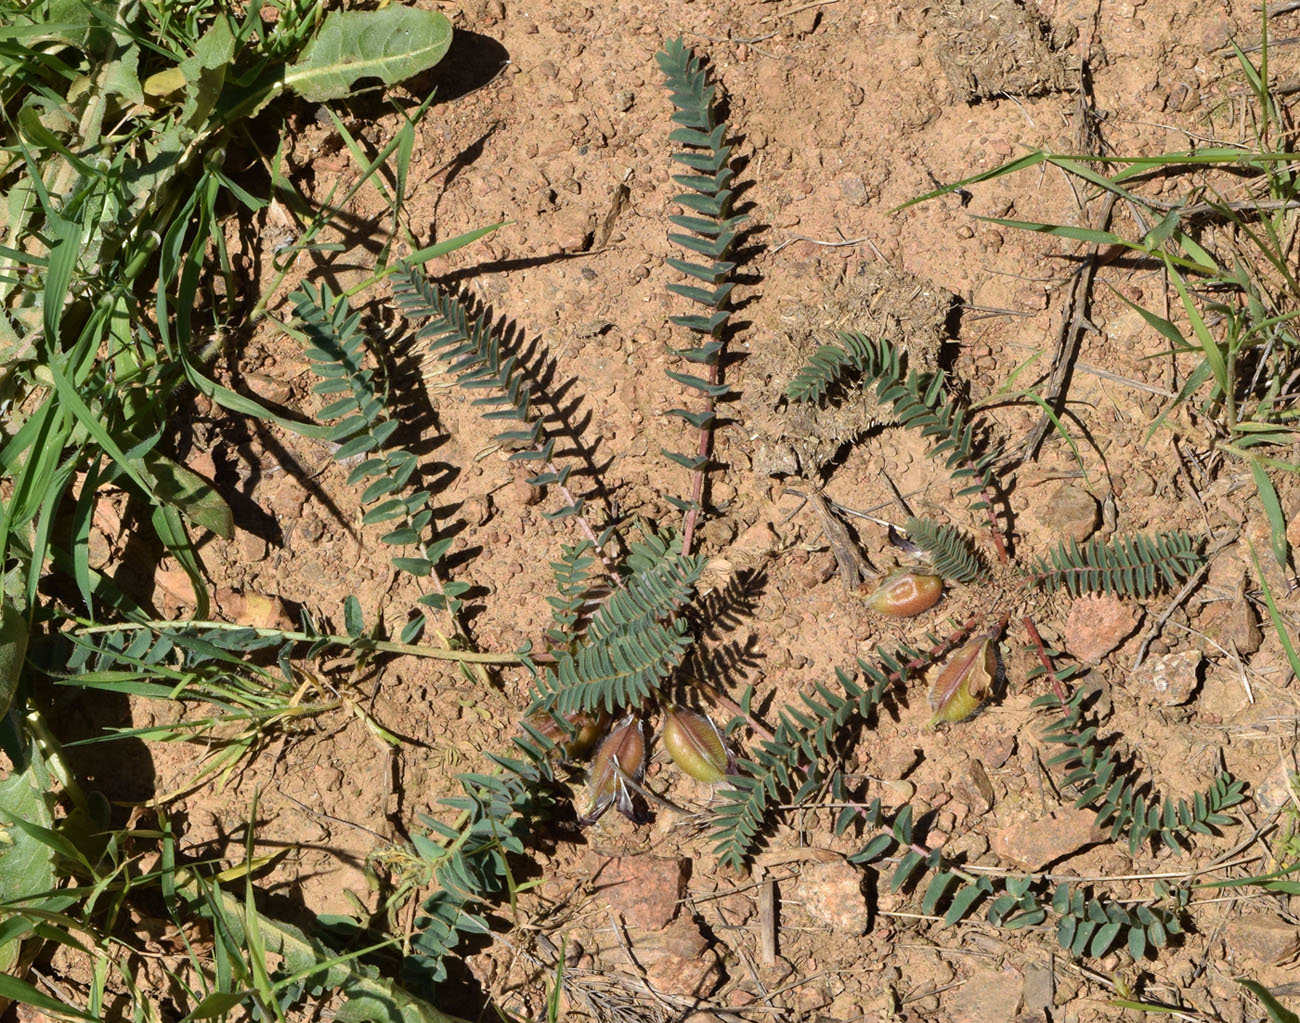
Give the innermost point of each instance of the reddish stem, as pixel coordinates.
(1032, 629)
(995, 529)
(702, 450)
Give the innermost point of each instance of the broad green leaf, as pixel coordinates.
(205, 74)
(121, 76)
(68, 22)
(389, 44)
(189, 492)
(165, 84)
(26, 864)
(13, 648)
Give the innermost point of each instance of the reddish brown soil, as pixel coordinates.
(842, 112)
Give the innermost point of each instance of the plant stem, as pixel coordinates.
(1057, 688)
(697, 486)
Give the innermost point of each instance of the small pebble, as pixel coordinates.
(1071, 513)
(1169, 680)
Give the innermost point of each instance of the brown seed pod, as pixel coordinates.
(905, 593)
(958, 689)
(588, 724)
(695, 745)
(620, 757)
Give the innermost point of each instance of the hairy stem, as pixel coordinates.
(697, 485)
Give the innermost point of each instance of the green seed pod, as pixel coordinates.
(620, 757)
(958, 689)
(692, 740)
(905, 593)
(588, 725)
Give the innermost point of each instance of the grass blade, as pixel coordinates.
(1276, 616)
(1273, 509)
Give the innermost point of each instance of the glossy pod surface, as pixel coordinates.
(693, 742)
(906, 593)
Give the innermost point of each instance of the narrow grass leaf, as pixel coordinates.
(171, 531)
(1010, 167)
(1190, 386)
(217, 1003)
(1159, 324)
(1209, 347)
(14, 990)
(1276, 616)
(1277, 1012)
(1273, 510)
(1082, 234)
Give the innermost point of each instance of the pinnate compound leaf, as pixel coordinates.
(389, 44)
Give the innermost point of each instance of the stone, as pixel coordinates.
(573, 229)
(1039, 989)
(1032, 845)
(644, 890)
(1261, 939)
(252, 548)
(988, 996)
(1071, 513)
(1098, 623)
(832, 893)
(1273, 791)
(972, 787)
(523, 492)
(1240, 629)
(678, 960)
(805, 21)
(267, 387)
(1167, 680)
(853, 190)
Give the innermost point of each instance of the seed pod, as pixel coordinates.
(620, 757)
(957, 690)
(905, 593)
(692, 740)
(572, 744)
